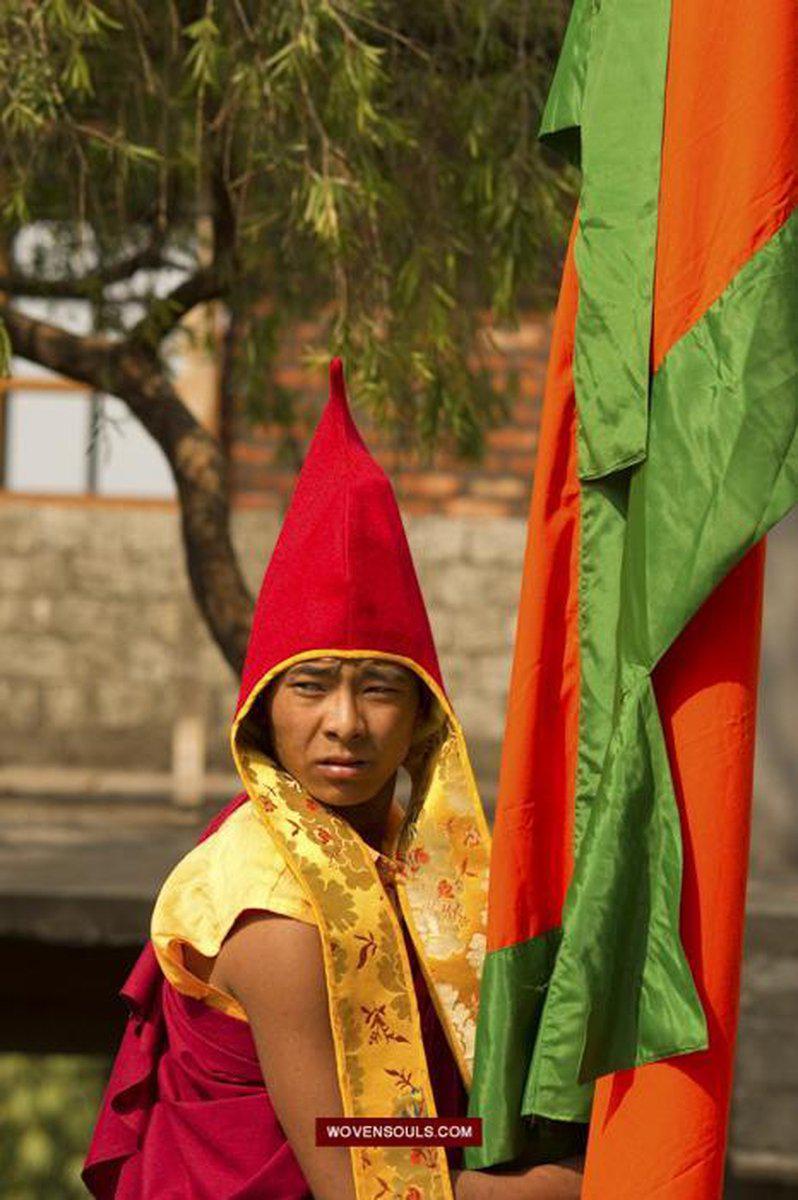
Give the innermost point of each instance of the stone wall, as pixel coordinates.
(101, 647)
(765, 1108)
(774, 851)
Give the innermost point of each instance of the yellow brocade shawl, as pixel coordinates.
(442, 851)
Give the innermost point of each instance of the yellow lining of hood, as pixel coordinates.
(307, 655)
(402, 660)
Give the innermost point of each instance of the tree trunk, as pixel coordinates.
(135, 374)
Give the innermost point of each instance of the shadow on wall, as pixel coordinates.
(774, 847)
(741, 1189)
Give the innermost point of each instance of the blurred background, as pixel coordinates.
(199, 204)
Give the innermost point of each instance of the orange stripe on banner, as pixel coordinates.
(729, 175)
(728, 183)
(660, 1131)
(533, 834)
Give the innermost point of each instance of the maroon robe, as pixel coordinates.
(186, 1114)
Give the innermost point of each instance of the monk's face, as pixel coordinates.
(343, 727)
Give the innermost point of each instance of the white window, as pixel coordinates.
(59, 438)
(64, 440)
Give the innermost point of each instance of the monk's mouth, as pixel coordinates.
(342, 768)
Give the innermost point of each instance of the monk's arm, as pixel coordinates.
(551, 1181)
(274, 967)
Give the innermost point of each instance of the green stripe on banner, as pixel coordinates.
(562, 116)
(723, 457)
(513, 989)
(603, 507)
(610, 82)
(722, 468)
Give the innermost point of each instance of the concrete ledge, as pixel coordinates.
(81, 920)
(87, 873)
(764, 1165)
(85, 783)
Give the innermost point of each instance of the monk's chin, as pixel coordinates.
(343, 793)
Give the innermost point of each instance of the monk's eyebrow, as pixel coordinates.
(386, 672)
(317, 670)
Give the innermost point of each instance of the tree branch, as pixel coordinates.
(83, 287)
(168, 311)
(84, 358)
(135, 374)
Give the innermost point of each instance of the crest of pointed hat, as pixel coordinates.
(341, 577)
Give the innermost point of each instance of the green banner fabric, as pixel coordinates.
(608, 98)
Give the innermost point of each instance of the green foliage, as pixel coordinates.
(48, 1105)
(5, 350)
(370, 162)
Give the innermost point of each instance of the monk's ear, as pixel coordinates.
(425, 719)
(427, 733)
(258, 722)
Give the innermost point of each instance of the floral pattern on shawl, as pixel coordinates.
(441, 886)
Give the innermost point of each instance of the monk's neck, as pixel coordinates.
(370, 818)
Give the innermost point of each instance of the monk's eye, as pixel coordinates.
(307, 687)
(381, 689)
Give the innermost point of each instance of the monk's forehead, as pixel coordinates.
(330, 665)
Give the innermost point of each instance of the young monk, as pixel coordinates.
(319, 952)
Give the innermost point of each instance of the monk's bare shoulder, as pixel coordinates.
(272, 959)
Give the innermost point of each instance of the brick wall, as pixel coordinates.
(498, 486)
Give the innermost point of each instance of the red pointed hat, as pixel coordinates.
(341, 583)
(341, 577)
